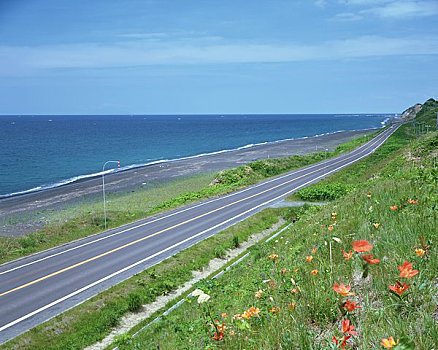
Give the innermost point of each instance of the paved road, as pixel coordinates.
(39, 287)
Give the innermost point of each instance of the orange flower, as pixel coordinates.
(399, 288)
(314, 250)
(348, 328)
(376, 225)
(362, 246)
(220, 332)
(347, 256)
(406, 270)
(224, 315)
(314, 272)
(273, 257)
(420, 252)
(330, 227)
(393, 207)
(350, 306)
(254, 311)
(342, 289)
(309, 258)
(412, 201)
(342, 342)
(388, 343)
(274, 310)
(370, 259)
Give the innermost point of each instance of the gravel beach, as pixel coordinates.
(28, 205)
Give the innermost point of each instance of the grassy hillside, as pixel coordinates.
(310, 289)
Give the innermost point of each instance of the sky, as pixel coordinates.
(216, 56)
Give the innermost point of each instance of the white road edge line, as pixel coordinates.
(181, 211)
(55, 302)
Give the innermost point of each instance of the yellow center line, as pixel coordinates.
(149, 236)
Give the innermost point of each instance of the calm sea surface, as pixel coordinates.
(44, 151)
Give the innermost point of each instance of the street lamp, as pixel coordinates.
(103, 184)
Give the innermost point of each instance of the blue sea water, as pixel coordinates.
(38, 152)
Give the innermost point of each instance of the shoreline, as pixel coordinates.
(85, 177)
(23, 210)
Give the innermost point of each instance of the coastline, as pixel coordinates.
(134, 178)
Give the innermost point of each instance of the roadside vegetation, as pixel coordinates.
(85, 219)
(358, 273)
(91, 321)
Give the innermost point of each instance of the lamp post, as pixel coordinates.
(103, 184)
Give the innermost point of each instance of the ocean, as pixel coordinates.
(38, 152)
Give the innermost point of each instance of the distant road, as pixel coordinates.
(37, 288)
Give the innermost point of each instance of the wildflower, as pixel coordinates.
(283, 271)
(388, 343)
(370, 259)
(254, 311)
(347, 256)
(274, 310)
(376, 225)
(412, 201)
(406, 270)
(362, 246)
(334, 214)
(272, 284)
(202, 297)
(348, 328)
(224, 315)
(350, 306)
(337, 240)
(220, 332)
(369, 194)
(420, 252)
(393, 207)
(273, 257)
(292, 306)
(314, 272)
(342, 289)
(330, 227)
(259, 294)
(237, 317)
(295, 290)
(399, 288)
(342, 341)
(314, 250)
(309, 258)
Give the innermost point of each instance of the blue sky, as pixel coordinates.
(208, 56)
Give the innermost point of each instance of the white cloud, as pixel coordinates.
(28, 60)
(405, 9)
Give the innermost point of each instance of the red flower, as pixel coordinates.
(362, 246)
(342, 289)
(406, 270)
(399, 288)
(350, 306)
(348, 328)
(343, 341)
(347, 256)
(370, 259)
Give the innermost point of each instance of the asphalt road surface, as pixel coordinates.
(39, 287)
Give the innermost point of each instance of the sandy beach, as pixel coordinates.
(29, 205)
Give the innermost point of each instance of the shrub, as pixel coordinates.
(322, 192)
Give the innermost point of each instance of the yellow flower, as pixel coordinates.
(376, 225)
(273, 257)
(274, 310)
(420, 252)
(388, 343)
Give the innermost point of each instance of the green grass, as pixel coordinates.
(84, 219)
(301, 311)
